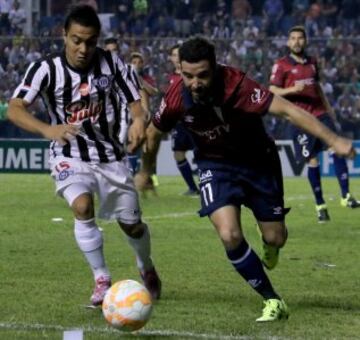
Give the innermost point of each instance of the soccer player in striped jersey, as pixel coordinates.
(296, 77)
(83, 88)
(238, 162)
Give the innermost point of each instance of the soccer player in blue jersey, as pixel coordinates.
(83, 87)
(238, 162)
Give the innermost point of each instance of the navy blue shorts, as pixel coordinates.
(261, 190)
(181, 139)
(307, 146)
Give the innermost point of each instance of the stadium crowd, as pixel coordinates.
(248, 34)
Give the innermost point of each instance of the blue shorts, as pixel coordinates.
(261, 190)
(181, 139)
(307, 146)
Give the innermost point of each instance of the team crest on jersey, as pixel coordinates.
(79, 111)
(257, 96)
(103, 82)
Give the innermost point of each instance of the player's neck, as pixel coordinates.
(300, 58)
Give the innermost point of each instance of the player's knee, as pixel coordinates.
(231, 237)
(133, 230)
(83, 207)
(276, 238)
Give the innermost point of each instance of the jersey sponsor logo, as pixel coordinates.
(84, 89)
(294, 70)
(213, 133)
(257, 96)
(80, 111)
(307, 81)
(103, 82)
(63, 175)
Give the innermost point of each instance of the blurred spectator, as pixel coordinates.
(5, 7)
(349, 116)
(250, 28)
(17, 17)
(273, 11)
(183, 13)
(349, 14)
(312, 20)
(241, 10)
(221, 30)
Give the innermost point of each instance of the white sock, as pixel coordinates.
(142, 249)
(90, 241)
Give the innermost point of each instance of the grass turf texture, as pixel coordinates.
(45, 282)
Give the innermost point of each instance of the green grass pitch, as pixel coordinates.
(45, 282)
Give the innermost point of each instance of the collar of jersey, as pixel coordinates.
(294, 62)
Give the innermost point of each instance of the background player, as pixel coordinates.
(180, 138)
(238, 162)
(296, 77)
(82, 87)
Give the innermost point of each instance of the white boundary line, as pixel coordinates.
(107, 330)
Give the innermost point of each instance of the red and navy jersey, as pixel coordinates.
(287, 72)
(173, 77)
(229, 125)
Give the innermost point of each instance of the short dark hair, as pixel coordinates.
(298, 29)
(83, 15)
(174, 47)
(135, 55)
(196, 49)
(111, 40)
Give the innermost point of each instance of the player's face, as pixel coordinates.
(197, 78)
(296, 43)
(80, 45)
(174, 57)
(112, 47)
(138, 64)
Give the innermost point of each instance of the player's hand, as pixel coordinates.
(61, 133)
(298, 87)
(343, 147)
(143, 182)
(136, 134)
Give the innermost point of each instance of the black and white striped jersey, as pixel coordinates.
(125, 113)
(92, 100)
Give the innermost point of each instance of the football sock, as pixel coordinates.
(90, 241)
(134, 162)
(186, 173)
(315, 182)
(249, 266)
(142, 249)
(342, 174)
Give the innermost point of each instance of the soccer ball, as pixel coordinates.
(127, 305)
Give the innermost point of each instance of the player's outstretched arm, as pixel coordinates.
(136, 133)
(148, 157)
(21, 117)
(307, 122)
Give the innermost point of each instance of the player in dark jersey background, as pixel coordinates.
(296, 77)
(181, 141)
(238, 162)
(83, 88)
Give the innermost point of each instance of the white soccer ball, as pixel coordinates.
(127, 305)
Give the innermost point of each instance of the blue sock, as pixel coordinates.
(342, 174)
(133, 160)
(249, 266)
(186, 172)
(315, 182)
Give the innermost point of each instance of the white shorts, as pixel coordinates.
(112, 182)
